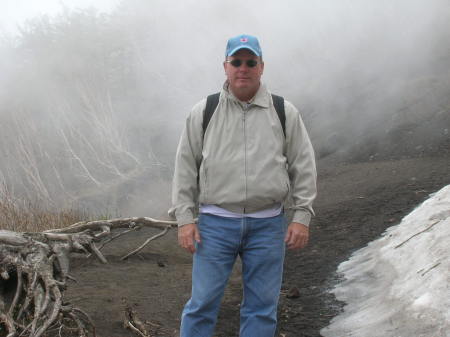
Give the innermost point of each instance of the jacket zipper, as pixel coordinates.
(245, 158)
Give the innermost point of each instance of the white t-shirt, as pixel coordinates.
(215, 210)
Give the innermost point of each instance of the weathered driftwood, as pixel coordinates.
(34, 268)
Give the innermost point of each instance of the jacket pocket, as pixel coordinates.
(286, 182)
(270, 186)
(203, 183)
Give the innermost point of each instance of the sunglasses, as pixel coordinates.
(237, 63)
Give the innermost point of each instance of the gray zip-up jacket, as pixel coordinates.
(243, 162)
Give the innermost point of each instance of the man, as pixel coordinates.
(240, 170)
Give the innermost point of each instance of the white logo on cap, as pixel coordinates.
(244, 39)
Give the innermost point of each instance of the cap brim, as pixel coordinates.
(235, 50)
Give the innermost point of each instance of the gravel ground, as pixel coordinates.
(358, 199)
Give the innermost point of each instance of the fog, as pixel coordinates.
(92, 104)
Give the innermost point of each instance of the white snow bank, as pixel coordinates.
(399, 285)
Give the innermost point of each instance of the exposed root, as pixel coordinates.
(136, 325)
(145, 243)
(34, 268)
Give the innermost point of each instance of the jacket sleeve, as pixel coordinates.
(187, 162)
(301, 166)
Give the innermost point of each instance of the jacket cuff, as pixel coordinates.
(303, 217)
(184, 219)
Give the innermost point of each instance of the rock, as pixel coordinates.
(293, 293)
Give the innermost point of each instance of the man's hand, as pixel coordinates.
(186, 236)
(297, 235)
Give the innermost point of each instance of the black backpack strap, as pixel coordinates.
(211, 104)
(278, 103)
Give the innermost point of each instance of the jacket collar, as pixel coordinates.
(261, 98)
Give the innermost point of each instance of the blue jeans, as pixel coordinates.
(260, 245)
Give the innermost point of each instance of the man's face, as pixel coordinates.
(244, 78)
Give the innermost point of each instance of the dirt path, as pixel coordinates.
(356, 203)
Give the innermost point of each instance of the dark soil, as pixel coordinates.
(358, 199)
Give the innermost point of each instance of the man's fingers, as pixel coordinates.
(186, 236)
(188, 244)
(292, 240)
(197, 235)
(288, 236)
(297, 236)
(302, 242)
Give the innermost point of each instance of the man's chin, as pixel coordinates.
(242, 85)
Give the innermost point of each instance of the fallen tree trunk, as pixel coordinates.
(34, 269)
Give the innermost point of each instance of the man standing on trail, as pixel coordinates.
(240, 155)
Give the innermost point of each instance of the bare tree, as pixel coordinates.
(65, 134)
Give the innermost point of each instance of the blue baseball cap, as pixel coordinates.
(243, 42)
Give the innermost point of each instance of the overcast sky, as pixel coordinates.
(16, 12)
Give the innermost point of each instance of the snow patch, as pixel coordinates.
(399, 284)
